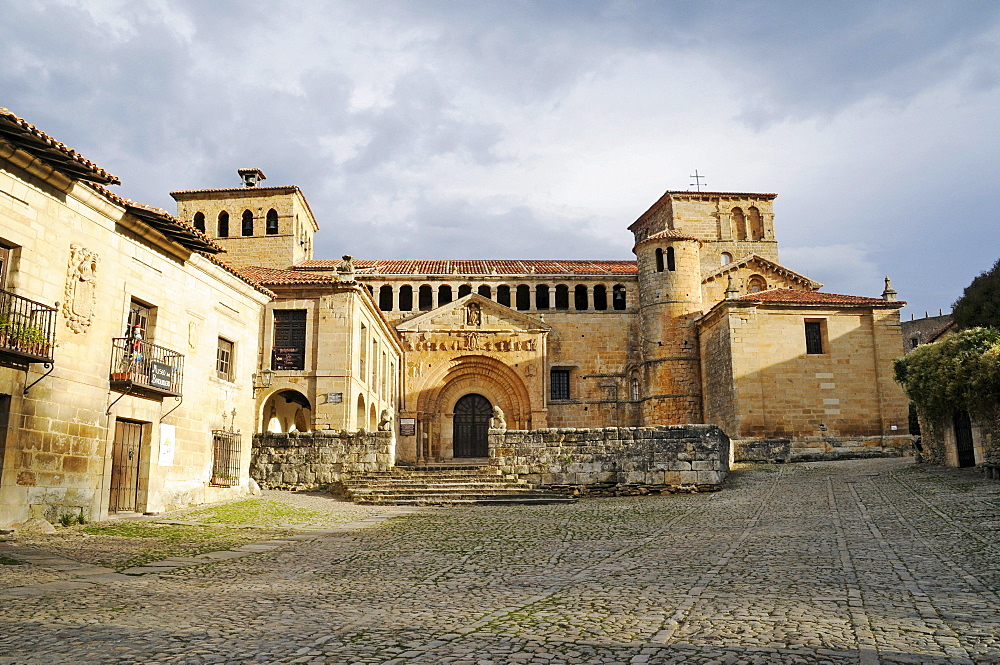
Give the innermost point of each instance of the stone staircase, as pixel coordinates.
(444, 484)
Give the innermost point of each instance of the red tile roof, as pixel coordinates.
(793, 296)
(233, 271)
(275, 277)
(754, 258)
(475, 267)
(181, 232)
(56, 154)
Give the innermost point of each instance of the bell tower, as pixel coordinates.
(669, 270)
(271, 227)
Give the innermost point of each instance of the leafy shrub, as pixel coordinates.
(961, 372)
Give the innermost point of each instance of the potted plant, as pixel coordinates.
(5, 325)
(30, 338)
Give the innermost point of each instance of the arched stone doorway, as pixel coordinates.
(471, 426)
(497, 383)
(287, 411)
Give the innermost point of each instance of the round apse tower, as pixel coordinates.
(669, 271)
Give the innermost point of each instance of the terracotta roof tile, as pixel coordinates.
(475, 267)
(175, 229)
(233, 271)
(794, 296)
(671, 234)
(274, 277)
(56, 154)
(754, 258)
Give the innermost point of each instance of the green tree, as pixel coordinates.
(980, 302)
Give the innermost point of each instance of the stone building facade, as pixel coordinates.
(704, 326)
(126, 356)
(137, 348)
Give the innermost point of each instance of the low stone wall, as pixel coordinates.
(808, 449)
(693, 456)
(309, 460)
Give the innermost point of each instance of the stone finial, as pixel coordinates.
(889, 294)
(345, 271)
(731, 290)
(498, 421)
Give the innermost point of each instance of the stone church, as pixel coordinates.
(142, 352)
(703, 326)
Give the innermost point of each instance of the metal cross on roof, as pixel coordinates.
(697, 181)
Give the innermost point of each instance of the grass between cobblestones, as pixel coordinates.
(189, 532)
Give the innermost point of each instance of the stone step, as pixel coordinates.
(445, 484)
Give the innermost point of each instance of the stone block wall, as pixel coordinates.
(695, 456)
(309, 460)
(813, 448)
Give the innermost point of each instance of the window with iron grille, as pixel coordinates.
(559, 384)
(289, 350)
(225, 458)
(224, 360)
(814, 337)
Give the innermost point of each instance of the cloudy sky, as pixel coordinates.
(542, 129)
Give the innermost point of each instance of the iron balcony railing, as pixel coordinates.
(27, 328)
(141, 367)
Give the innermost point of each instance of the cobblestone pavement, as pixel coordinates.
(875, 561)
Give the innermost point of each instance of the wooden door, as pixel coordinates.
(125, 459)
(472, 424)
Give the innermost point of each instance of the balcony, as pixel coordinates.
(144, 369)
(27, 331)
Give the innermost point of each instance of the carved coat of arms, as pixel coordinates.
(81, 288)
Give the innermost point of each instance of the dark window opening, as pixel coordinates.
(406, 298)
(385, 298)
(139, 320)
(426, 298)
(199, 221)
(289, 350)
(659, 260)
(271, 222)
(444, 295)
(541, 297)
(523, 297)
(814, 337)
(600, 297)
(503, 295)
(485, 291)
(580, 297)
(559, 384)
(618, 297)
(247, 226)
(464, 290)
(671, 265)
(914, 342)
(223, 224)
(562, 296)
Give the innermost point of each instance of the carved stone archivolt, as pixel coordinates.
(81, 288)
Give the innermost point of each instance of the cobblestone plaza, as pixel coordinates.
(877, 561)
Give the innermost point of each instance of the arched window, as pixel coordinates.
(360, 416)
(444, 295)
(223, 224)
(247, 223)
(659, 260)
(756, 224)
(503, 295)
(636, 389)
(523, 297)
(199, 221)
(726, 258)
(600, 297)
(406, 298)
(464, 290)
(426, 298)
(385, 298)
(562, 296)
(671, 265)
(542, 296)
(580, 297)
(740, 224)
(485, 291)
(756, 284)
(618, 296)
(271, 224)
